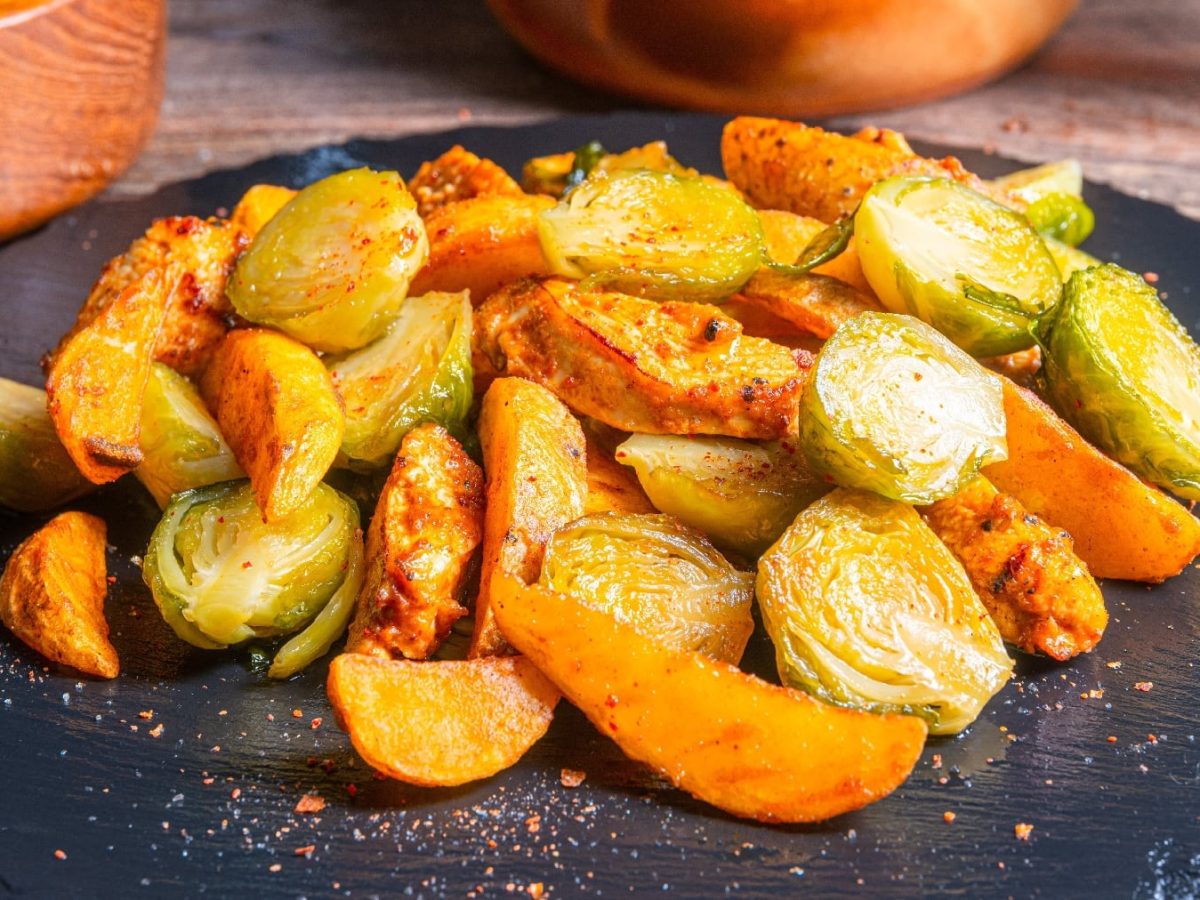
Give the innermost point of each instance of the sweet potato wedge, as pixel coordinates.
(440, 723)
(481, 244)
(533, 454)
(427, 524)
(816, 304)
(279, 413)
(458, 174)
(750, 748)
(97, 380)
(612, 487)
(52, 594)
(1122, 527)
(258, 206)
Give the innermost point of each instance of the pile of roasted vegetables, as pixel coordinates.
(603, 410)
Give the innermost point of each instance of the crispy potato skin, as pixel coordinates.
(1038, 592)
(788, 235)
(534, 457)
(458, 174)
(440, 723)
(482, 243)
(1122, 527)
(52, 594)
(751, 748)
(279, 413)
(258, 206)
(196, 257)
(812, 172)
(611, 487)
(427, 524)
(815, 304)
(637, 365)
(98, 376)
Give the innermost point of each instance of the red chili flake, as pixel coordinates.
(611, 700)
(60, 854)
(274, 867)
(948, 817)
(937, 761)
(1112, 738)
(305, 851)
(208, 781)
(571, 778)
(270, 717)
(309, 803)
(235, 793)
(1144, 686)
(1151, 277)
(111, 579)
(311, 761)
(1022, 830)
(156, 731)
(352, 790)
(316, 723)
(1152, 738)
(328, 765)
(247, 564)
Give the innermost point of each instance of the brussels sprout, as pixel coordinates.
(583, 160)
(332, 267)
(35, 471)
(655, 234)
(1120, 368)
(1062, 217)
(976, 271)
(1068, 259)
(867, 608)
(740, 493)
(418, 371)
(182, 447)
(894, 407)
(220, 575)
(657, 575)
(1030, 185)
(559, 173)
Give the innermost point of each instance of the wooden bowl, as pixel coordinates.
(782, 57)
(80, 82)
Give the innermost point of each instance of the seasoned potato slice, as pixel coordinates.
(458, 174)
(477, 245)
(637, 365)
(1122, 527)
(751, 748)
(258, 206)
(278, 410)
(611, 486)
(97, 380)
(196, 257)
(1038, 592)
(52, 594)
(813, 303)
(440, 723)
(788, 235)
(426, 526)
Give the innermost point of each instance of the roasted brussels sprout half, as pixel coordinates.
(332, 267)
(973, 269)
(655, 234)
(1062, 217)
(1064, 176)
(657, 575)
(182, 447)
(867, 608)
(560, 172)
(893, 407)
(36, 473)
(741, 494)
(220, 575)
(1120, 368)
(418, 371)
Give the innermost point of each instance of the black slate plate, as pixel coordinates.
(135, 817)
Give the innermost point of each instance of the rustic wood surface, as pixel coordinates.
(1118, 88)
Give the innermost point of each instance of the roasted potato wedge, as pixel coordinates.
(637, 365)
(534, 457)
(258, 206)
(36, 473)
(440, 723)
(750, 748)
(816, 304)
(1122, 527)
(479, 244)
(788, 236)
(98, 377)
(52, 594)
(279, 412)
(1037, 591)
(427, 524)
(458, 174)
(611, 487)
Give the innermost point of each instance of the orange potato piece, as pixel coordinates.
(427, 524)
(816, 304)
(97, 380)
(612, 487)
(440, 723)
(52, 594)
(751, 748)
(258, 206)
(482, 243)
(788, 235)
(279, 413)
(534, 457)
(1122, 527)
(458, 174)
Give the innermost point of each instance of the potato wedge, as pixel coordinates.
(750, 748)
(482, 243)
(458, 174)
(1122, 527)
(637, 365)
(258, 206)
(611, 487)
(816, 304)
(279, 413)
(440, 723)
(427, 524)
(52, 594)
(788, 235)
(97, 380)
(533, 454)
(813, 172)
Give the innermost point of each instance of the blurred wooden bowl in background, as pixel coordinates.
(784, 57)
(80, 86)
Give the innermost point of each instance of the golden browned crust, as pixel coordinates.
(815, 304)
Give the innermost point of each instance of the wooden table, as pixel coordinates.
(1118, 88)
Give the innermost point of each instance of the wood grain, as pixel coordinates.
(1117, 88)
